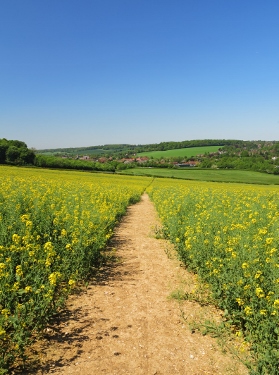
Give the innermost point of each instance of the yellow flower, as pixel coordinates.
(5, 312)
(259, 293)
(48, 246)
(48, 262)
(248, 310)
(15, 286)
(28, 224)
(63, 233)
(258, 274)
(19, 271)
(240, 301)
(2, 266)
(24, 218)
(53, 277)
(55, 221)
(16, 238)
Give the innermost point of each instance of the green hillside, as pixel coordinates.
(180, 152)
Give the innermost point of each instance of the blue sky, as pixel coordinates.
(93, 72)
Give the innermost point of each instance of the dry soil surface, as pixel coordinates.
(125, 322)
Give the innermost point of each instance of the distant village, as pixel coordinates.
(137, 160)
(257, 156)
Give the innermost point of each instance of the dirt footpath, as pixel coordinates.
(126, 323)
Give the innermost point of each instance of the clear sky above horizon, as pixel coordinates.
(94, 72)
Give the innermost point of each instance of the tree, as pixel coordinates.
(15, 152)
(27, 156)
(13, 155)
(3, 150)
(276, 148)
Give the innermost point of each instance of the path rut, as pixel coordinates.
(126, 323)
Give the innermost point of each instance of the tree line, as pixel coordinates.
(124, 149)
(262, 156)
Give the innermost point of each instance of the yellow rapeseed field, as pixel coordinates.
(53, 225)
(228, 235)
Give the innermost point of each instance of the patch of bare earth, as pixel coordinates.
(125, 323)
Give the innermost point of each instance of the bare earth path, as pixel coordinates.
(126, 324)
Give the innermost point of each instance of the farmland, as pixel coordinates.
(55, 225)
(217, 175)
(180, 152)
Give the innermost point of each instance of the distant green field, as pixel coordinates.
(180, 152)
(217, 175)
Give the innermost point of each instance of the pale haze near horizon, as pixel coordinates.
(81, 73)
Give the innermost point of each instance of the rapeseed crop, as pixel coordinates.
(53, 226)
(228, 235)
